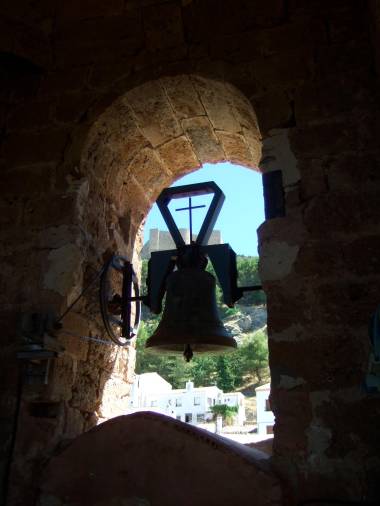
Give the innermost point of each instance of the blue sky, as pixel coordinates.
(242, 212)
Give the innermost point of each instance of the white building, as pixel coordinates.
(192, 405)
(265, 416)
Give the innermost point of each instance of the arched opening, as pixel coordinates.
(147, 139)
(219, 384)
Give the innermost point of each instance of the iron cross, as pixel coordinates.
(190, 208)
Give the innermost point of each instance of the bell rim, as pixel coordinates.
(210, 344)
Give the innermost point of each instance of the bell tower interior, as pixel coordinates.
(106, 105)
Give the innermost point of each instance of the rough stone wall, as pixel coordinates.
(72, 192)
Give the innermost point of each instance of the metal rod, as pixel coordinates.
(88, 338)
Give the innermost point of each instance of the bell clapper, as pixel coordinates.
(188, 353)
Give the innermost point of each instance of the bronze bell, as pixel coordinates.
(190, 321)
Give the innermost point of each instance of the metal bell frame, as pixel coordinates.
(162, 263)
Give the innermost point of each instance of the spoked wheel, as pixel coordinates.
(118, 290)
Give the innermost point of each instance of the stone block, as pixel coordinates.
(30, 115)
(331, 359)
(153, 113)
(347, 302)
(74, 326)
(291, 36)
(352, 66)
(44, 146)
(273, 109)
(63, 378)
(241, 76)
(238, 47)
(107, 75)
(95, 32)
(102, 355)
(343, 213)
(353, 170)
(34, 44)
(332, 96)
(254, 145)
(19, 278)
(26, 181)
(277, 259)
(288, 68)
(288, 229)
(361, 256)
(163, 26)
(55, 210)
(243, 109)
(215, 100)
(236, 149)
(72, 10)
(72, 107)
(63, 272)
(121, 362)
(56, 237)
(319, 259)
(178, 156)
(149, 171)
(313, 178)
(203, 139)
(346, 24)
(74, 423)
(317, 141)
(114, 397)
(287, 306)
(86, 394)
(11, 211)
(293, 416)
(112, 38)
(58, 81)
(183, 96)
(344, 415)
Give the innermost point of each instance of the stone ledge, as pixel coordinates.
(158, 460)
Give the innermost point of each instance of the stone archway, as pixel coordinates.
(145, 140)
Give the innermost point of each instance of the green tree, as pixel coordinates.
(254, 351)
(203, 370)
(226, 412)
(248, 275)
(225, 374)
